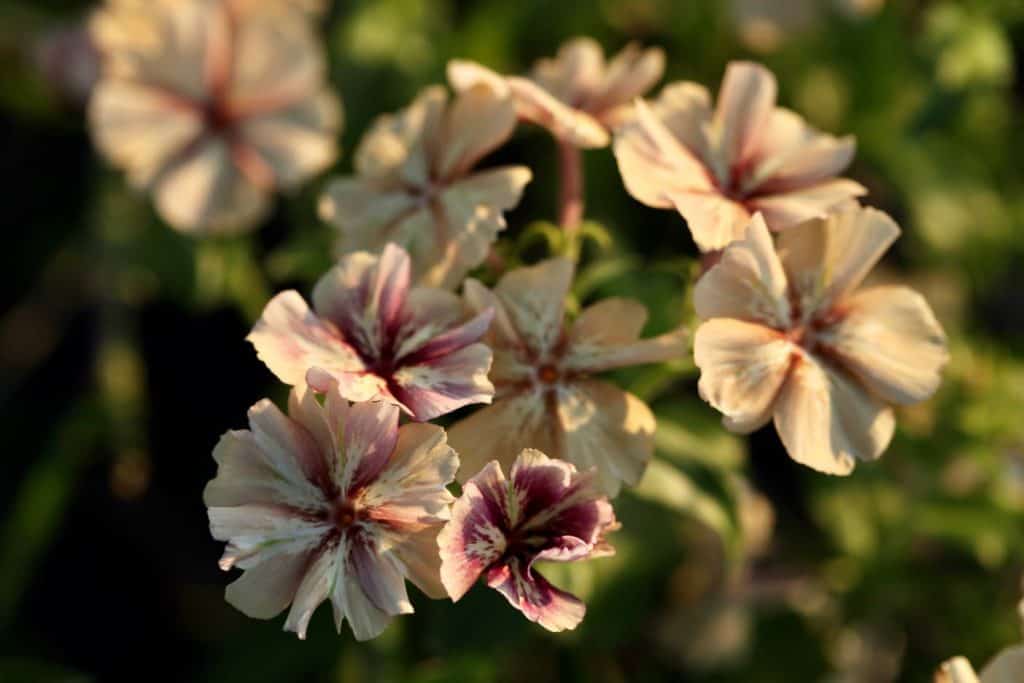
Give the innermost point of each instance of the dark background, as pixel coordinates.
(122, 359)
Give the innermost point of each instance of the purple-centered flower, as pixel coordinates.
(331, 502)
(378, 338)
(546, 510)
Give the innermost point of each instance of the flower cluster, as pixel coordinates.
(214, 104)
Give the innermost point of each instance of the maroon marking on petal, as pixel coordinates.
(535, 597)
(541, 487)
(371, 434)
(452, 340)
(391, 283)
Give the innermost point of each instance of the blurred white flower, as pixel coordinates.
(212, 105)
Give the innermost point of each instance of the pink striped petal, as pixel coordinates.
(530, 593)
(380, 578)
(289, 338)
(445, 383)
(476, 535)
(410, 491)
(370, 435)
(450, 341)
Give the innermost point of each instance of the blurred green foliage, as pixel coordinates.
(733, 563)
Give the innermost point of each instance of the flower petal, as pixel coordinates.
(534, 299)
(140, 128)
(566, 123)
(827, 258)
(463, 75)
(429, 313)
(364, 296)
(325, 423)
(745, 103)
(471, 215)
(788, 208)
(410, 492)
(205, 192)
(297, 141)
(654, 162)
(890, 339)
(400, 145)
(291, 448)
(421, 560)
(476, 535)
(1006, 667)
(369, 214)
(478, 122)
(555, 500)
(502, 333)
(314, 589)
(439, 385)
(532, 594)
(958, 670)
(747, 283)
(260, 533)
(370, 435)
(605, 337)
(452, 340)
(742, 369)
(366, 619)
(290, 339)
(379, 576)
(605, 428)
(714, 219)
(263, 591)
(827, 421)
(500, 431)
(630, 74)
(574, 72)
(793, 154)
(610, 322)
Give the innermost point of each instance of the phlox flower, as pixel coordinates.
(545, 396)
(378, 338)
(717, 166)
(212, 105)
(330, 502)
(577, 95)
(545, 510)
(787, 335)
(415, 184)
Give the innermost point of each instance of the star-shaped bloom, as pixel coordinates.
(212, 106)
(378, 339)
(415, 184)
(787, 335)
(718, 166)
(577, 95)
(330, 502)
(545, 395)
(546, 510)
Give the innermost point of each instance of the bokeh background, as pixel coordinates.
(122, 360)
